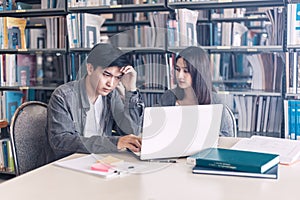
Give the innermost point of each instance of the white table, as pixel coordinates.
(173, 182)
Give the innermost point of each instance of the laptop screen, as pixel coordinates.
(177, 131)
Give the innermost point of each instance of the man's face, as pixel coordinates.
(105, 80)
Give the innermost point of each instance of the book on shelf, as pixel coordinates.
(23, 75)
(258, 113)
(6, 157)
(293, 24)
(84, 29)
(71, 28)
(90, 29)
(55, 32)
(54, 3)
(16, 32)
(87, 3)
(11, 100)
(9, 69)
(292, 119)
(53, 69)
(26, 63)
(187, 20)
(288, 150)
(238, 31)
(292, 60)
(159, 23)
(236, 160)
(267, 71)
(36, 33)
(271, 173)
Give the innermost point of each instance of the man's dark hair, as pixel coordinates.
(106, 55)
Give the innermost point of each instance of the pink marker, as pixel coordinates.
(100, 167)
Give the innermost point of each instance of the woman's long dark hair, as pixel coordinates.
(198, 65)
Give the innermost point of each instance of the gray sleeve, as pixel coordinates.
(64, 136)
(226, 124)
(128, 115)
(168, 98)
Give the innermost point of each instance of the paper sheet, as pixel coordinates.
(288, 150)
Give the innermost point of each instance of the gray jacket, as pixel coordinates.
(169, 99)
(67, 111)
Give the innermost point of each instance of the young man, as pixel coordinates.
(88, 115)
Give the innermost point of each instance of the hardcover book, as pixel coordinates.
(90, 29)
(236, 160)
(271, 173)
(12, 100)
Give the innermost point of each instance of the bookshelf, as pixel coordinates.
(33, 60)
(235, 85)
(291, 116)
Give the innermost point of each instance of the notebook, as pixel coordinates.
(272, 173)
(178, 131)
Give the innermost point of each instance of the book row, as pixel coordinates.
(31, 70)
(92, 3)
(184, 22)
(33, 33)
(43, 4)
(259, 113)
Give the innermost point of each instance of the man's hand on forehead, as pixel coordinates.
(129, 77)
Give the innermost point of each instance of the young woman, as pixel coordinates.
(194, 85)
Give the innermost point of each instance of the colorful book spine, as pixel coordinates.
(293, 119)
(297, 120)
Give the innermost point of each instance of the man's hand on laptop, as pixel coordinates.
(131, 142)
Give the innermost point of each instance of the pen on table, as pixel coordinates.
(164, 161)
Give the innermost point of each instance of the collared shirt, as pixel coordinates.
(67, 112)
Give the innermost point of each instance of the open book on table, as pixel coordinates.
(288, 150)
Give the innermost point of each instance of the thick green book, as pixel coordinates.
(236, 160)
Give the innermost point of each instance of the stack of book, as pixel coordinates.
(230, 162)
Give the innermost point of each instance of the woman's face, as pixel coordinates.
(183, 76)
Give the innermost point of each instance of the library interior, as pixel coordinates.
(162, 99)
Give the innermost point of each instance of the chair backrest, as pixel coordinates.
(30, 146)
(232, 119)
(228, 114)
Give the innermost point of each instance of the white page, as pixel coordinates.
(83, 164)
(288, 150)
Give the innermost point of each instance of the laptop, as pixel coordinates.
(179, 131)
